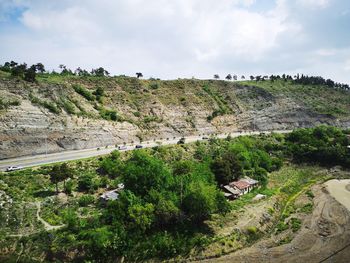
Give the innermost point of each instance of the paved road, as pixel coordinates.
(36, 160)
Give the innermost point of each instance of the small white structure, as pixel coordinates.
(111, 195)
(258, 197)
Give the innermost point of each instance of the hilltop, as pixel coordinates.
(66, 112)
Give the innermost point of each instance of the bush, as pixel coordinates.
(252, 230)
(52, 107)
(110, 115)
(154, 85)
(86, 200)
(69, 186)
(295, 224)
(87, 183)
(99, 93)
(136, 113)
(5, 105)
(68, 106)
(84, 92)
(281, 226)
(307, 208)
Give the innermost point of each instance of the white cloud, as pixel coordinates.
(165, 38)
(314, 4)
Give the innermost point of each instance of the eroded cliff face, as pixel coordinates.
(145, 111)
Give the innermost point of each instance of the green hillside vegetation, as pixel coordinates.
(319, 98)
(121, 98)
(171, 205)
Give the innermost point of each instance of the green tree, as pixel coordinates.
(141, 216)
(143, 172)
(111, 165)
(200, 201)
(227, 168)
(56, 176)
(30, 74)
(40, 67)
(87, 182)
(66, 173)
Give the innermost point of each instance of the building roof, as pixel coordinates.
(241, 185)
(110, 195)
(231, 190)
(249, 180)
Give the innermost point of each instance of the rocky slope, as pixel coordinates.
(64, 113)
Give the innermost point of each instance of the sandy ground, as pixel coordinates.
(340, 190)
(323, 237)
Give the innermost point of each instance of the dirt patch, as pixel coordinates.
(340, 190)
(323, 237)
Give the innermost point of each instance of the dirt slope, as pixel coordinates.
(324, 237)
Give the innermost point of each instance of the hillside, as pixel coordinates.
(72, 112)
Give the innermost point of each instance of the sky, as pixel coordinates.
(180, 38)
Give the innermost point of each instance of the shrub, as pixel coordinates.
(4, 105)
(149, 119)
(52, 107)
(69, 187)
(310, 194)
(137, 114)
(281, 226)
(68, 106)
(252, 230)
(295, 224)
(84, 92)
(87, 182)
(307, 208)
(110, 115)
(154, 85)
(99, 93)
(86, 200)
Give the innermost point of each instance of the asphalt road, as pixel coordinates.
(36, 160)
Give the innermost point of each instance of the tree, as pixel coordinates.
(216, 76)
(200, 201)
(227, 168)
(66, 173)
(60, 173)
(40, 67)
(100, 72)
(139, 75)
(228, 77)
(13, 64)
(234, 77)
(18, 70)
(87, 182)
(242, 77)
(252, 78)
(56, 176)
(30, 74)
(144, 172)
(141, 216)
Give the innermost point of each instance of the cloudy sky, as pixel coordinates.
(180, 38)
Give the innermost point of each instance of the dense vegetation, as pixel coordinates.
(170, 193)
